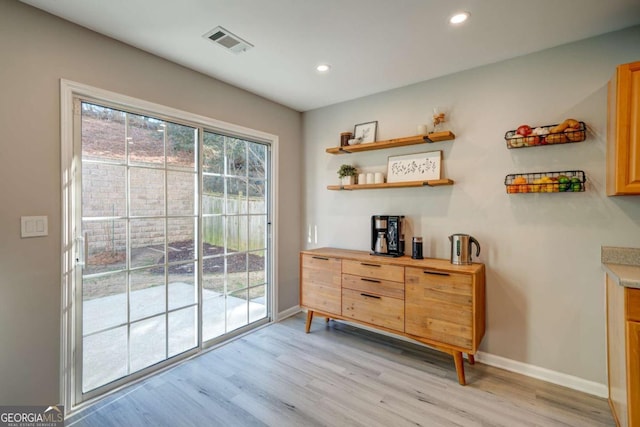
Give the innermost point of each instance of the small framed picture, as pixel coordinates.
(366, 131)
(414, 167)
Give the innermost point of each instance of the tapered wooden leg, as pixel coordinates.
(309, 319)
(327, 319)
(457, 358)
(472, 360)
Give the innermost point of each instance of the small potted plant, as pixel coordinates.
(347, 174)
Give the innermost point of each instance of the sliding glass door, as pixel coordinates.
(173, 247)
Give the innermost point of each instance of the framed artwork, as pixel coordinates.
(366, 131)
(414, 167)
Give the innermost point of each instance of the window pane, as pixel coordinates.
(146, 192)
(257, 268)
(213, 274)
(147, 242)
(237, 239)
(212, 232)
(257, 303)
(182, 285)
(237, 196)
(104, 302)
(237, 275)
(181, 143)
(257, 196)
(146, 139)
(236, 154)
(148, 293)
(181, 239)
(103, 190)
(237, 314)
(104, 358)
(106, 243)
(213, 315)
(181, 193)
(213, 153)
(182, 330)
(212, 194)
(103, 133)
(257, 232)
(148, 342)
(257, 160)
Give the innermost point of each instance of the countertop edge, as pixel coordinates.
(624, 275)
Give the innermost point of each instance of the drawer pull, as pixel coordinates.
(369, 280)
(370, 296)
(320, 257)
(436, 273)
(370, 265)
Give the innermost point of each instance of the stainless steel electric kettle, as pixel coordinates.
(461, 248)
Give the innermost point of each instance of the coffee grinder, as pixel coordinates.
(387, 238)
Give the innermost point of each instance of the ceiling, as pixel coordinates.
(371, 45)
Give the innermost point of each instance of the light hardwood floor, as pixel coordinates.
(338, 375)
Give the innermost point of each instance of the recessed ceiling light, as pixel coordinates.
(459, 18)
(323, 68)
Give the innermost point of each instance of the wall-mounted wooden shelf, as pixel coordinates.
(431, 183)
(446, 135)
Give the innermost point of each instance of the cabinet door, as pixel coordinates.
(320, 284)
(439, 307)
(633, 374)
(623, 131)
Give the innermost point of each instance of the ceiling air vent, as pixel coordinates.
(228, 40)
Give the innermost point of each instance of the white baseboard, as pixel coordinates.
(554, 377)
(288, 313)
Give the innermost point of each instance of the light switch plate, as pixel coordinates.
(34, 226)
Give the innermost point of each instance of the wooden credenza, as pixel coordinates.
(431, 301)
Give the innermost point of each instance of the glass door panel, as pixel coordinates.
(139, 217)
(234, 233)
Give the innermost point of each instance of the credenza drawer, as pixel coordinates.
(375, 286)
(374, 309)
(374, 270)
(442, 287)
(333, 265)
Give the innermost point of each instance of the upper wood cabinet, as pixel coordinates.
(623, 131)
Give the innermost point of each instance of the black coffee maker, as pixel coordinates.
(387, 235)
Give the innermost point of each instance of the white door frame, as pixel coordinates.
(69, 246)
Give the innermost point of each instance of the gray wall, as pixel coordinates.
(545, 285)
(37, 51)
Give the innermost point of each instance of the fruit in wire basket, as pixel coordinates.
(536, 187)
(556, 138)
(521, 184)
(574, 135)
(524, 130)
(576, 184)
(564, 183)
(516, 141)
